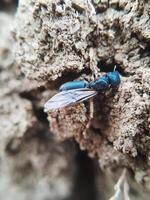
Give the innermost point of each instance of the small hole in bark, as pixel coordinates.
(44, 6)
(68, 76)
(40, 114)
(28, 96)
(145, 51)
(85, 180)
(78, 8)
(137, 36)
(95, 130)
(8, 5)
(101, 9)
(13, 146)
(105, 67)
(116, 7)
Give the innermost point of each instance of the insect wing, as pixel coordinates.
(69, 97)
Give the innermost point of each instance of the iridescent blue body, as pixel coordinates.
(73, 85)
(77, 91)
(110, 79)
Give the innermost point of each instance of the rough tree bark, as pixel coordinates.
(56, 41)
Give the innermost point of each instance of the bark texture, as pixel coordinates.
(33, 164)
(57, 41)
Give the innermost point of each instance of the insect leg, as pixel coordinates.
(91, 109)
(91, 114)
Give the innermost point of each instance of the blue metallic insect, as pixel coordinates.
(77, 91)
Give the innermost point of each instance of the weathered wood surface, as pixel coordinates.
(57, 41)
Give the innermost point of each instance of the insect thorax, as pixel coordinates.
(101, 83)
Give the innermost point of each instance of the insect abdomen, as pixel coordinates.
(73, 85)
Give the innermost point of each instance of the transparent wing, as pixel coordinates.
(69, 97)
